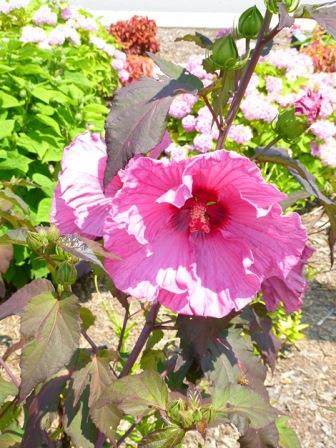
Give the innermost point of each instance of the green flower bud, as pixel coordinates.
(36, 241)
(289, 126)
(225, 53)
(273, 5)
(250, 23)
(23, 93)
(53, 234)
(66, 274)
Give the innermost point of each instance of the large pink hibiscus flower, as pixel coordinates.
(201, 235)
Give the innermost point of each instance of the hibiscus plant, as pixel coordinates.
(196, 251)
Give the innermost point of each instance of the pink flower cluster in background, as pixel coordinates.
(312, 95)
(202, 236)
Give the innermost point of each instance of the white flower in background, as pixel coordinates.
(56, 36)
(45, 16)
(32, 34)
(86, 23)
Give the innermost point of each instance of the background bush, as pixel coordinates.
(48, 95)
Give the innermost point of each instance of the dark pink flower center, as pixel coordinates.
(201, 213)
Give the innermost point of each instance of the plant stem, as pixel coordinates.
(90, 341)
(127, 433)
(140, 343)
(268, 146)
(9, 373)
(213, 113)
(100, 440)
(261, 42)
(123, 330)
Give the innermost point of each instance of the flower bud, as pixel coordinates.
(289, 126)
(36, 241)
(66, 274)
(53, 234)
(224, 52)
(273, 5)
(250, 23)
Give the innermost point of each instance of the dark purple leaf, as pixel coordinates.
(324, 14)
(136, 123)
(267, 437)
(285, 20)
(307, 180)
(47, 400)
(51, 328)
(6, 255)
(199, 39)
(260, 329)
(16, 303)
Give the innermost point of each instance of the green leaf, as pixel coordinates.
(198, 39)
(87, 317)
(6, 389)
(167, 437)
(15, 161)
(6, 128)
(138, 394)
(9, 439)
(236, 399)
(52, 328)
(43, 210)
(96, 109)
(105, 416)
(50, 122)
(77, 422)
(288, 437)
(32, 143)
(45, 183)
(8, 101)
(177, 73)
(47, 95)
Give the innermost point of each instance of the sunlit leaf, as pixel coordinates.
(6, 389)
(288, 437)
(199, 39)
(169, 437)
(241, 400)
(52, 329)
(138, 394)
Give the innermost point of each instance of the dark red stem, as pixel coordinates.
(140, 343)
